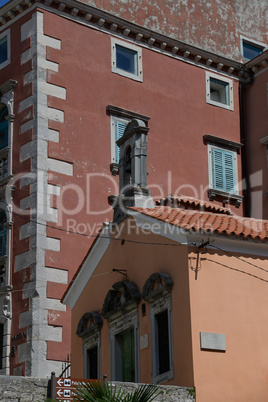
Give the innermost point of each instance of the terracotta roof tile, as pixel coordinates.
(209, 222)
(180, 201)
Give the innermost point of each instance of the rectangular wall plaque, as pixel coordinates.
(144, 342)
(213, 341)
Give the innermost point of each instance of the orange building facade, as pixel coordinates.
(204, 305)
(71, 77)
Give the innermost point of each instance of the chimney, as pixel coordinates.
(133, 191)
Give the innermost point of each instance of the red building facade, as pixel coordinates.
(72, 76)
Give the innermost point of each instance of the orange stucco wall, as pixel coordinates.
(140, 262)
(228, 297)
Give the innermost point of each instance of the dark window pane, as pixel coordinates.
(251, 51)
(3, 137)
(163, 342)
(3, 50)
(126, 59)
(92, 363)
(219, 91)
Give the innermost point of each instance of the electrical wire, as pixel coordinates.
(239, 258)
(237, 270)
(95, 236)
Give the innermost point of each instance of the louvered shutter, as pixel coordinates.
(217, 165)
(229, 172)
(119, 131)
(223, 170)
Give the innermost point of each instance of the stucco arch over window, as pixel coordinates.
(157, 285)
(90, 322)
(125, 295)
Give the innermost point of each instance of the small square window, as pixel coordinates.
(126, 60)
(4, 49)
(219, 91)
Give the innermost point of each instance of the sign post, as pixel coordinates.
(64, 387)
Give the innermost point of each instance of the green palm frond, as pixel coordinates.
(107, 392)
(98, 391)
(145, 393)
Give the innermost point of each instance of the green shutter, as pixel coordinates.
(128, 356)
(119, 131)
(223, 170)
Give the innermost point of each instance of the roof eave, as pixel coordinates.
(117, 25)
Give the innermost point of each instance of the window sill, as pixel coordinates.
(227, 198)
(169, 375)
(220, 104)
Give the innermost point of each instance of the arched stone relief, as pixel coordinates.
(124, 296)
(157, 285)
(89, 323)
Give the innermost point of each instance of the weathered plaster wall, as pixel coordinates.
(214, 25)
(20, 389)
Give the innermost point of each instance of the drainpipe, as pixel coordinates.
(243, 133)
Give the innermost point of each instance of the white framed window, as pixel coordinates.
(157, 291)
(161, 339)
(251, 48)
(222, 167)
(124, 340)
(4, 48)
(89, 328)
(120, 308)
(126, 59)
(219, 91)
(118, 125)
(91, 357)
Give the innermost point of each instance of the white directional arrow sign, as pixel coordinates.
(59, 392)
(60, 382)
